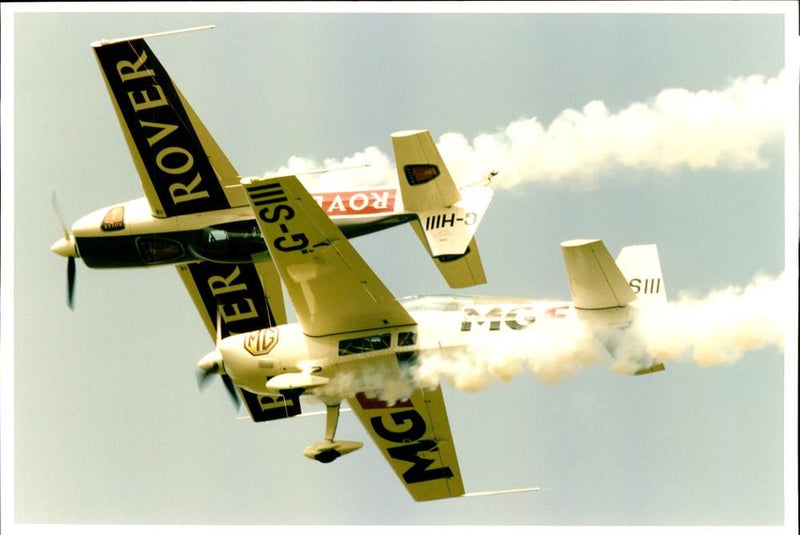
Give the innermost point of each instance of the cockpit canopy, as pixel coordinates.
(231, 243)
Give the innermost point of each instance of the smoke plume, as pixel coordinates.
(677, 129)
(716, 329)
(720, 327)
(712, 330)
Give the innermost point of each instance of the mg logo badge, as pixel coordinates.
(261, 342)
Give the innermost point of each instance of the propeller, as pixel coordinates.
(67, 247)
(213, 364)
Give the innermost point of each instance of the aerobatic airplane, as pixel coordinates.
(354, 341)
(195, 215)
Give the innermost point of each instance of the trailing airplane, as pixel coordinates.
(195, 215)
(355, 341)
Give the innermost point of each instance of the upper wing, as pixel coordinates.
(332, 288)
(415, 438)
(181, 167)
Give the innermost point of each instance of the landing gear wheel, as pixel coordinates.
(327, 456)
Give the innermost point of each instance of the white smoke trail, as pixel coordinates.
(721, 327)
(553, 349)
(717, 329)
(382, 382)
(676, 129)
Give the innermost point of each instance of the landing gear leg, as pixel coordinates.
(330, 449)
(331, 423)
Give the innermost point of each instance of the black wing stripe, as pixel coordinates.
(170, 156)
(235, 290)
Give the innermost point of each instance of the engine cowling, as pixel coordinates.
(251, 359)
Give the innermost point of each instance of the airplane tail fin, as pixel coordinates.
(607, 294)
(447, 217)
(641, 267)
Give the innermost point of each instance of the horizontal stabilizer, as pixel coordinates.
(459, 271)
(595, 280)
(447, 218)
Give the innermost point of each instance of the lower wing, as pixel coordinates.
(415, 439)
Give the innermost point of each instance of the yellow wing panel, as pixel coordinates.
(414, 437)
(331, 287)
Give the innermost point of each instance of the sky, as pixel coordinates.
(664, 125)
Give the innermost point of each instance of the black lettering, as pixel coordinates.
(160, 129)
(416, 427)
(470, 313)
(267, 217)
(419, 471)
(271, 191)
(299, 241)
(451, 221)
(234, 294)
(519, 318)
(635, 285)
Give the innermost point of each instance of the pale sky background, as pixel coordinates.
(108, 424)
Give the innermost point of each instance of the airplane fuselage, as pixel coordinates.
(282, 358)
(127, 235)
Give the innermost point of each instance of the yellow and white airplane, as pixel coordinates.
(354, 341)
(195, 215)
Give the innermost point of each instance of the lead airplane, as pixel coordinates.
(354, 341)
(196, 216)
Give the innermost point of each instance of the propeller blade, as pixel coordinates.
(70, 282)
(202, 378)
(68, 248)
(231, 390)
(57, 209)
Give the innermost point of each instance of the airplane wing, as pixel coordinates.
(414, 437)
(236, 293)
(331, 287)
(181, 167)
(333, 291)
(184, 171)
